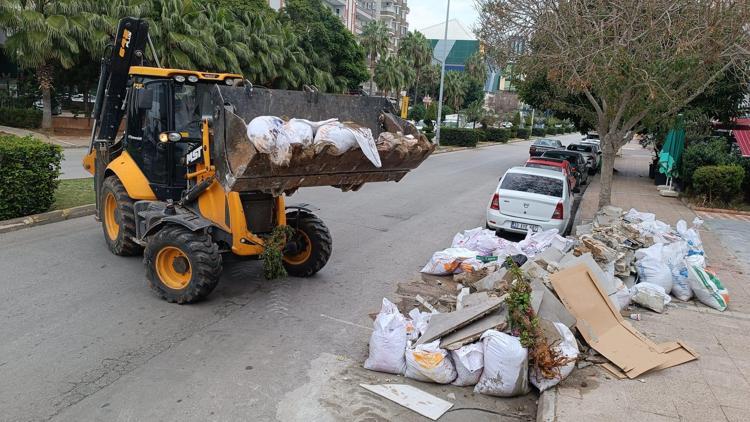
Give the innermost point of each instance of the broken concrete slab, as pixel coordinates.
(584, 229)
(495, 281)
(412, 398)
(609, 284)
(550, 308)
(442, 324)
(533, 271)
(548, 256)
(472, 332)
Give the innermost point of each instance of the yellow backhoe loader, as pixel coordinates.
(178, 179)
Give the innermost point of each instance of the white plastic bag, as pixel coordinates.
(567, 348)
(652, 268)
(420, 320)
(651, 296)
(268, 136)
(622, 297)
(481, 240)
(469, 361)
(343, 137)
(707, 287)
(298, 131)
(428, 362)
(506, 366)
(447, 261)
(388, 341)
(535, 243)
(636, 216)
(674, 255)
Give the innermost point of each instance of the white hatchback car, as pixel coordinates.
(530, 198)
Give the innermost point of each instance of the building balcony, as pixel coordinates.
(336, 3)
(365, 15)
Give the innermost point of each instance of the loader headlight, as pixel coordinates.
(192, 78)
(169, 137)
(179, 78)
(229, 82)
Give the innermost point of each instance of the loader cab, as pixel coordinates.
(162, 106)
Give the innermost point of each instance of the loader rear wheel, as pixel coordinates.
(313, 241)
(118, 218)
(182, 266)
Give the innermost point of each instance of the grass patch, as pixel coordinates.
(74, 192)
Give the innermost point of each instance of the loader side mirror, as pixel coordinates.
(145, 99)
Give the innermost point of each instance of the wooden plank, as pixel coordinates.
(442, 324)
(411, 398)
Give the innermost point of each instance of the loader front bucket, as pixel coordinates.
(241, 167)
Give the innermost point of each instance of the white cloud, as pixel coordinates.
(424, 13)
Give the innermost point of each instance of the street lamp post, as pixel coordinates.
(442, 75)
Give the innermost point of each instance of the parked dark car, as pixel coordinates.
(541, 145)
(577, 163)
(591, 151)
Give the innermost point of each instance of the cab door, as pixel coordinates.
(149, 115)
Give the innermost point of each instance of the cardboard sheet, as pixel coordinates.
(550, 308)
(604, 329)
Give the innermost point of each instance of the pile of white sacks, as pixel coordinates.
(496, 365)
(275, 136)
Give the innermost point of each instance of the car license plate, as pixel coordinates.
(523, 226)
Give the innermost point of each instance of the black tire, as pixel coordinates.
(203, 263)
(315, 236)
(122, 215)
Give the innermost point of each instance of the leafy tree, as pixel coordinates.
(658, 57)
(375, 40)
(476, 67)
(319, 30)
(475, 112)
(455, 85)
(42, 34)
(417, 51)
(474, 91)
(417, 112)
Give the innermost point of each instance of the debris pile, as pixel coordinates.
(501, 315)
(282, 139)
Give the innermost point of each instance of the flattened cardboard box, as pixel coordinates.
(604, 329)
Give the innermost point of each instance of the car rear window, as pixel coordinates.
(544, 142)
(533, 184)
(544, 166)
(582, 148)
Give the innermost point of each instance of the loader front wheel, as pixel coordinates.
(118, 218)
(182, 266)
(312, 244)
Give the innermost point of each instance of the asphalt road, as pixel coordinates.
(85, 339)
(71, 166)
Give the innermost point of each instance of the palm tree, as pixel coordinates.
(455, 88)
(375, 40)
(476, 67)
(42, 35)
(416, 49)
(388, 75)
(183, 35)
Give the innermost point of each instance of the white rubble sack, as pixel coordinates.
(567, 348)
(469, 361)
(652, 267)
(428, 362)
(268, 137)
(482, 240)
(447, 261)
(674, 255)
(651, 296)
(535, 243)
(420, 320)
(635, 216)
(343, 137)
(706, 286)
(622, 297)
(506, 366)
(388, 341)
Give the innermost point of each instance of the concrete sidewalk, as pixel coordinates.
(62, 140)
(716, 387)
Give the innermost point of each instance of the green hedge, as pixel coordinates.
(522, 133)
(29, 118)
(719, 182)
(700, 153)
(538, 131)
(497, 134)
(29, 174)
(461, 137)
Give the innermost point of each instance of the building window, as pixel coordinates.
(338, 11)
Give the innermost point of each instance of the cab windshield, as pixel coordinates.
(191, 103)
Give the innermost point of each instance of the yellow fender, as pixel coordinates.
(131, 176)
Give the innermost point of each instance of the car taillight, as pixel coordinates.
(559, 213)
(495, 204)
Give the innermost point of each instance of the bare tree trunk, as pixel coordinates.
(608, 166)
(44, 77)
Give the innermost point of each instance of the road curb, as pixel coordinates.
(546, 408)
(46, 218)
(716, 210)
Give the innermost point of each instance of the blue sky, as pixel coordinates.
(424, 13)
